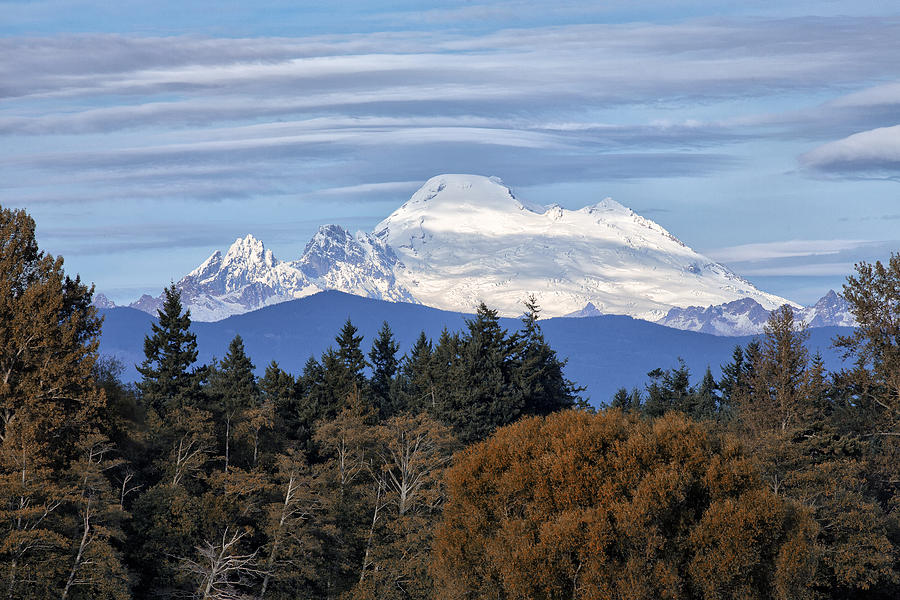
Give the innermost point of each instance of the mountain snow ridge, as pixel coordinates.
(748, 317)
(464, 239)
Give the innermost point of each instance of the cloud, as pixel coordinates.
(783, 249)
(210, 118)
(385, 187)
(841, 269)
(823, 263)
(875, 153)
(602, 64)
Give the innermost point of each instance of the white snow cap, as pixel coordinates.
(461, 239)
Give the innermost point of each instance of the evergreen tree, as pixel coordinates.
(233, 392)
(538, 371)
(328, 383)
(625, 401)
(704, 403)
(733, 379)
(383, 358)
(669, 390)
(874, 298)
(447, 371)
(480, 395)
(349, 352)
(279, 389)
(169, 380)
(416, 388)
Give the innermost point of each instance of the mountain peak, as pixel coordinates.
(101, 301)
(249, 249)
(608, 205)
(462, 190)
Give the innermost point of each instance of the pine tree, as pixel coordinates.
(625, 401)
(874, 298)
(732, 380)
(480, 394)
(233, 392)
(668, 390)
(538, 371)
(169, 381)
(350, 354)
(704, 401)
(416, 385)
(279, 390)
(383, 358)
(338, 375)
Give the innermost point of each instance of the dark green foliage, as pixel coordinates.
(234, 380)
(416, 387)
(232, 396)
(340, 374)
(705, 401)
(733, 378)
(123, 415)
(668, 390)
(279, 389)
(480, 394)
(538, 372)
(625, 401)
(169, 380)
(383, 358)
(350, 354)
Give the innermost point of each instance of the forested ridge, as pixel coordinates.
(467, 468)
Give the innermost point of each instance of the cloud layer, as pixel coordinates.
(108, 127)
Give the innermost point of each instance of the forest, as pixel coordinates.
(467, 468)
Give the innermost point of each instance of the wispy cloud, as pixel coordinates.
(840, 269)
(112, 124)
(526, 100)
(783, 249)
(868, 153)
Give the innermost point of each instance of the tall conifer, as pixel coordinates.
(383, 358)
(170, 352)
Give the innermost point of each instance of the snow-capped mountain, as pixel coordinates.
(101, 301)
(465, 239)
(748, 317)
(830, 310)
(248, 276)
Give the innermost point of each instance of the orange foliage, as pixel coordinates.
(608, 506)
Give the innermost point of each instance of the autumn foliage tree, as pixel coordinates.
(587, 506)
(56, 518)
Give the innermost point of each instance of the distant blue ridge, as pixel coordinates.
(604, 352)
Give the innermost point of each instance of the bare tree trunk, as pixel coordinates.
(365, 565)
(255, 446)
(85, 540)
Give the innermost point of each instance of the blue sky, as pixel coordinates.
(144, 135)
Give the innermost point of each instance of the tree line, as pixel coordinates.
(468, 467)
